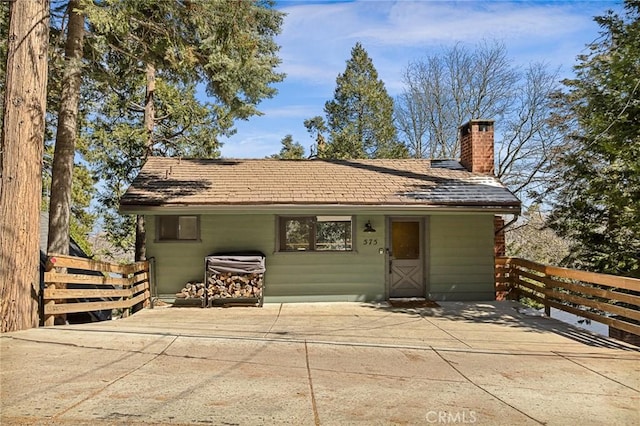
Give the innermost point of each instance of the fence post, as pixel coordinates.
(148, 303)
(49, 319)
(125, 311)
(512, 286)
(547, 308)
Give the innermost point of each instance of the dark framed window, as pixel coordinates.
(315, 233)
(178, 228)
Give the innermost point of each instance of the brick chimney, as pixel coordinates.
(476, 146)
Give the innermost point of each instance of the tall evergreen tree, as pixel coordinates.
(597, 205)
(60, 200)
(21, 147)
(360, 117)
(81, 220)
(228, 47)
(183, 126)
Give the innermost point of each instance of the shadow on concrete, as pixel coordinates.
(508, 314)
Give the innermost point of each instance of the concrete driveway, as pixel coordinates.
(323, 364)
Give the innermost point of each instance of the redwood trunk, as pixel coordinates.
(21, 149)
(63, 158)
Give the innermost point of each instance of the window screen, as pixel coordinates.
(175, 228)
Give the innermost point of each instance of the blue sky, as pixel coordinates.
(317, 37)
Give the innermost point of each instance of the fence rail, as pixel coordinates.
(609, 299)
(74, 284)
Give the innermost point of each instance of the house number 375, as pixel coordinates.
(370, 242)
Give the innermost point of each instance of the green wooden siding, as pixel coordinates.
(305, 276)
(180, 262)
(461, 263)
(326, 276)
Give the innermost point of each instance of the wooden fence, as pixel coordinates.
(608, 299)
(99, 286)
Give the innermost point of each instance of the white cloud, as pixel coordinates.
(290, 111)
(312, 73)
(252, 145)
(420, 23)
(317, 39)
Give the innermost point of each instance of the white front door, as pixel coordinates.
(406, 259)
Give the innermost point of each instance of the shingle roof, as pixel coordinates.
(268, 182)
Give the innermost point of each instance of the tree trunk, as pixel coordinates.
(141, 234)
(21, 149)
(150, 107)
(149, 123)
(63, 158)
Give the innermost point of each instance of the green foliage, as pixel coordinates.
(360, 117)
(227, 48)
(290, 150)
(317, 127)
(184, 128)
(598, 201)
(531, 303)
(82, 220)
(530, 238)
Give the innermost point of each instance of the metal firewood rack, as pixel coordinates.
(234, 279)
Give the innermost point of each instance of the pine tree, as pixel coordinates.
(60, 200)
(290, 150)
(63, 71)
(21, 162)
(183, 127)
(316, 128)
(360, 117)
(598, 202)
(228, 47)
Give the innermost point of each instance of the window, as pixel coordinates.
(178, 228)
(405, 240)
(315, 233)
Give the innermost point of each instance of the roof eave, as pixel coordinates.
(269, 208)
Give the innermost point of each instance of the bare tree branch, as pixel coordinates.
(448, 89)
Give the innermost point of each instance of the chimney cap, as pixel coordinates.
(485, 121)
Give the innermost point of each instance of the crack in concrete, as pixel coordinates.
(274, 322)
(444, 331)
(596, 372)
(98, 391)
(316, 416)
(485, 390)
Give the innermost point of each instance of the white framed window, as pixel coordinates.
(315, 233)
(178, 228)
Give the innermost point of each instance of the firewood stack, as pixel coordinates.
(222, 285)
(192, 290)
(234, 279)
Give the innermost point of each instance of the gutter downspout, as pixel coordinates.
(515, 218)
(501, 292)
